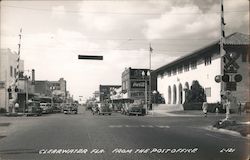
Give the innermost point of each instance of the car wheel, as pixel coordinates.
(110, 114)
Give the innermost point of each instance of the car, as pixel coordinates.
(33, 109)
(247, 107)
(103, 108)
(70, 108)
(132, 109)
(46, 107)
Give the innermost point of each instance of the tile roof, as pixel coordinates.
(233, 39)
(237, 39)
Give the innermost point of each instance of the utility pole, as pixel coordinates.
(15, 88)
(149, 90)
(222, 55)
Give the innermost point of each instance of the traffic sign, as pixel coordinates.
(225, 78)
(238, 77)
(90, 57)
(231, 66)
(217, 78)
(231, 86)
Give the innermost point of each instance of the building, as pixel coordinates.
(133, 83)
(106, 91)
(8, 71)
(42, 88)
(59, 88)
(203, 65)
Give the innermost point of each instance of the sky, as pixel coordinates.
(55, 32)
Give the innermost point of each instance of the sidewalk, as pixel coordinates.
(196, 113)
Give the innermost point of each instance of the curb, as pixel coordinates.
(226, 131)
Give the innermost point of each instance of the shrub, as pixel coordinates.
(2, 110)
(195, 94)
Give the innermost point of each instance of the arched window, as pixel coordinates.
(169, 95)
(174, 95)
(180, 94)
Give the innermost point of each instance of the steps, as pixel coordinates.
(168, 107)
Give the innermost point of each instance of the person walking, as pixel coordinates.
(204, 108)
(239, 108)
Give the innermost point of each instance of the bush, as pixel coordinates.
(192, 106)
(2, 110)
(196, 94)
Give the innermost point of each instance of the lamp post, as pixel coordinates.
(26, 88)
(52, 88)
(144, 76)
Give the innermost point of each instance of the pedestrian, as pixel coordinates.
(239, 108)
(204, 108)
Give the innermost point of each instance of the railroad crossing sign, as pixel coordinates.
(231, 66)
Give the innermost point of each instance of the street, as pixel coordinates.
(84, 136)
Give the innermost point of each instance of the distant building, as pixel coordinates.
(42, 88)
(133, 83)
(203, 65)
(59, 87)
(8, 71)
(106, 91)
(47, 88)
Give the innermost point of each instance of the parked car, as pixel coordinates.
(70, 108)
(46, 107)
(132, 109)
(33, 109)
(247, 107)
(103, 108)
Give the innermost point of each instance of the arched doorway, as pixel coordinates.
(174, 95)
(169, 95)
(185, 89)
(180, 94)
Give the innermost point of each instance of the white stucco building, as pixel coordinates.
(8, 65)
(203, 65)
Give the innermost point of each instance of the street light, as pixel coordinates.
(52, 88)
(144, 76)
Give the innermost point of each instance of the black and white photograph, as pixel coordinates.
(124, 80)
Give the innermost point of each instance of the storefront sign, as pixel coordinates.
(138, 84)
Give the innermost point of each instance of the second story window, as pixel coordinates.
(186, 67)
(180, 69)
(208, 60)
(174, 71)
(169, 73)
(11, 71)
(193, 64)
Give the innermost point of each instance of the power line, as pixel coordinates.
(126, 13)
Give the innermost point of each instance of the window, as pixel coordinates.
(169, 73)
(180, 69)
(244, 57)
(15, 73)
(208, 60)
(174, 71)
(11, 71)
(186, 67)
(208, 92)
(193, 64)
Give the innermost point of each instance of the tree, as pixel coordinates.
(195, 94)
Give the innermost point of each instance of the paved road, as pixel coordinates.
(116, 137)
